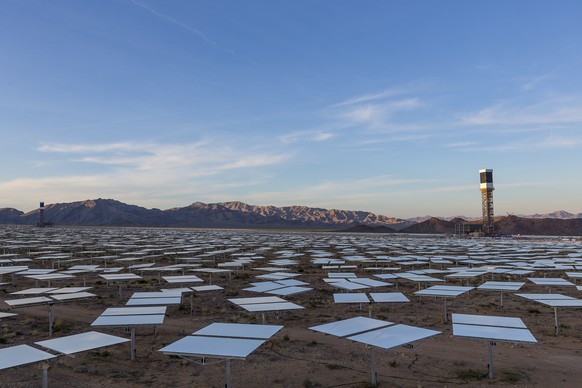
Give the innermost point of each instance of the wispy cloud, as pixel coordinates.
(385, 111)
(150, 190)
(379, 116)
(461, 144)
(197, 32)
(550, 142)
(393, 92)
(172, 20)
(551, 110)
(95, 148)
(308, 136)
(395, 139)
(531, 83)
(206, 158)
(57, 188)
(147, 173)
(539, 143)
(373, 112)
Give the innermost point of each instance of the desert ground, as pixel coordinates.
(296, 356)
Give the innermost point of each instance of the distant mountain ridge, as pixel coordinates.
(560, 214)
(420, 219)
(433, 225)
(540, 226)
(508, 225)
(109, 212)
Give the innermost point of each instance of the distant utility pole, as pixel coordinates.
(41, 215)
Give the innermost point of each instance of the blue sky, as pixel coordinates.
(384, 106)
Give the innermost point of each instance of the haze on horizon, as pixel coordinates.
(389, 107)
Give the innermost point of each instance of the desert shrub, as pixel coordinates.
(470, 374)
(510, 377)
(310, 384)
(58, 325)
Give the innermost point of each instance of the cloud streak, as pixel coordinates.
(200, 34)
(147, 173)
(380, 116)
(176, 22)
(307, 136)
(386, 111)
(387, 93)
(150, 190)
(549, 142)
(532, 83)
(555, 110)
(150, 156)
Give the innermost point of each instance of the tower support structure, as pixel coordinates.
(486, 186)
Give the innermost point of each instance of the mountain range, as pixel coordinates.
(560, 214)
(109, 212)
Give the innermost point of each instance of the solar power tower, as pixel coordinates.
(487, 188)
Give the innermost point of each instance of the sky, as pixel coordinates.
(391, 107)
